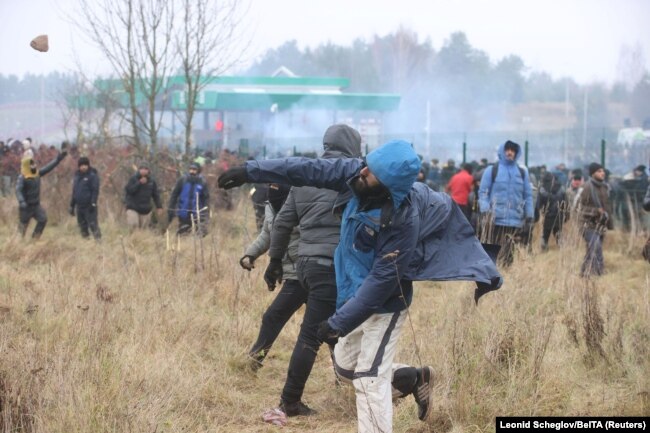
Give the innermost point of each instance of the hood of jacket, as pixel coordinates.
(341, 141)
(396, 166)
(26, 170)
(502, 154)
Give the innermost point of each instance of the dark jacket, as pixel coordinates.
(183, 199)
(138, 196)
(85, 188)
(646, 200)
(311, 208)
(594, 207)
(28, 185)
(551, 198)
(417, 234)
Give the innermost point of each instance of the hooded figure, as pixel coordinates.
(28, 193)
(506, 201)
(310, 209)
(393, 232)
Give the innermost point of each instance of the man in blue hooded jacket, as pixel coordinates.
(393, 231)
(190, 201)
(506, 201)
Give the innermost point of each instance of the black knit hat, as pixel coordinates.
(196, 166)
(594, 167)
(640, 168)
(83, 161)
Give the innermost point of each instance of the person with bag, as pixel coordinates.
(506, 202)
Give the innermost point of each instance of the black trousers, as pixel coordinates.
(317, 277)
(32, 211)
(288, 300)
(552, 226)
(504, 236)
(87, 221)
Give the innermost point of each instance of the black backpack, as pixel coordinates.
(495, 170)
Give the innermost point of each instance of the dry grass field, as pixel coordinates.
(138, 335)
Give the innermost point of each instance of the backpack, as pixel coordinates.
(495, 170)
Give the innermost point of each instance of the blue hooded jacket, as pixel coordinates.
(418, 234)
(510, 197)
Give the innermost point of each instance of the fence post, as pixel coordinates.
(526, 153)
(464, 148)
(603, 147)
(295, 151)
(264, 152)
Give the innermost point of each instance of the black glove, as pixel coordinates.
(327, 334)
(22, 205)
(604, 217)
(71, 210)
(236, 176)
(247, 262)
(62, 155)
(273, 273)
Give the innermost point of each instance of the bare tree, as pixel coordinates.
(135, 36)
(208, 44)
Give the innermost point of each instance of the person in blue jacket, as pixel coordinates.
(190, 202)
(393, 231)
(85, 191)
(506, 201)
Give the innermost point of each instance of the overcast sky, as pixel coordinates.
(577, 38)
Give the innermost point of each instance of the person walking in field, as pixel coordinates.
(140, 191)
(552, 205)
(310, 209)
(28, 193)
(190, 201)
(596, 218)
(291, 295)
(506, 201)
(394, 231)
(85, 192)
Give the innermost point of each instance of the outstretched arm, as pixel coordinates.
(321, 173)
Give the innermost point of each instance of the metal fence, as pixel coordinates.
(573, 147)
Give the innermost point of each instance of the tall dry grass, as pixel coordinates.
(128, 336)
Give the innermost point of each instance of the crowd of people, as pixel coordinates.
(347, 236)
(22, 167)
(504, 200)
